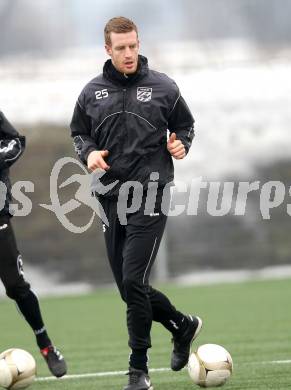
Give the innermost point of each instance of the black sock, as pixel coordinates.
(29, 307)
(138, 359)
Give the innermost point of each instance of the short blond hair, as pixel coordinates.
(118, 25)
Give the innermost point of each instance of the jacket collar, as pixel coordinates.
(112, 74)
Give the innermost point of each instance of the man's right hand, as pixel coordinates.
(96, 160)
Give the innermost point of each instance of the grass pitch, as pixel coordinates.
(252, 320)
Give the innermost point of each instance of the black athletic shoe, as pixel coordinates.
(55, 361)
(138, 380)
(182, 344)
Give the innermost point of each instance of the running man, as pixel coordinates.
(120, 125)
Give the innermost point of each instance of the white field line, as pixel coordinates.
(117, 373)
(95, 375)
(277, 362)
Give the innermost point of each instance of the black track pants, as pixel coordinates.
(17, 288)
(132, 250)
(11, 272)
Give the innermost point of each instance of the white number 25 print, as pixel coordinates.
(101, 94)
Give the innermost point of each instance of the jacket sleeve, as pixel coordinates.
(181, 122)
(12, 144)
(81, 133)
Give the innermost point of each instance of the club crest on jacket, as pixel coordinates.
(144, 94)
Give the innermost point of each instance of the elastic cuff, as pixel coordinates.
(2, 163)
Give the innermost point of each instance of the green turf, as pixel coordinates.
(252, 320)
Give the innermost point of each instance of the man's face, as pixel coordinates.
(124, 51)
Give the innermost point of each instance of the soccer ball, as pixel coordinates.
(210, 366)
(17, 369)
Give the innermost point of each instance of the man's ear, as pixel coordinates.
(108, 49)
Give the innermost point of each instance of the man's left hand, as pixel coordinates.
(176, 147)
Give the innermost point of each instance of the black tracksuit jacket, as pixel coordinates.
(129, 116)
(12, 146)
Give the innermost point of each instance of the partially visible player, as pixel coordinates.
(11, 267)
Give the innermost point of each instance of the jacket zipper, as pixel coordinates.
(124, 92)
(124, 118)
